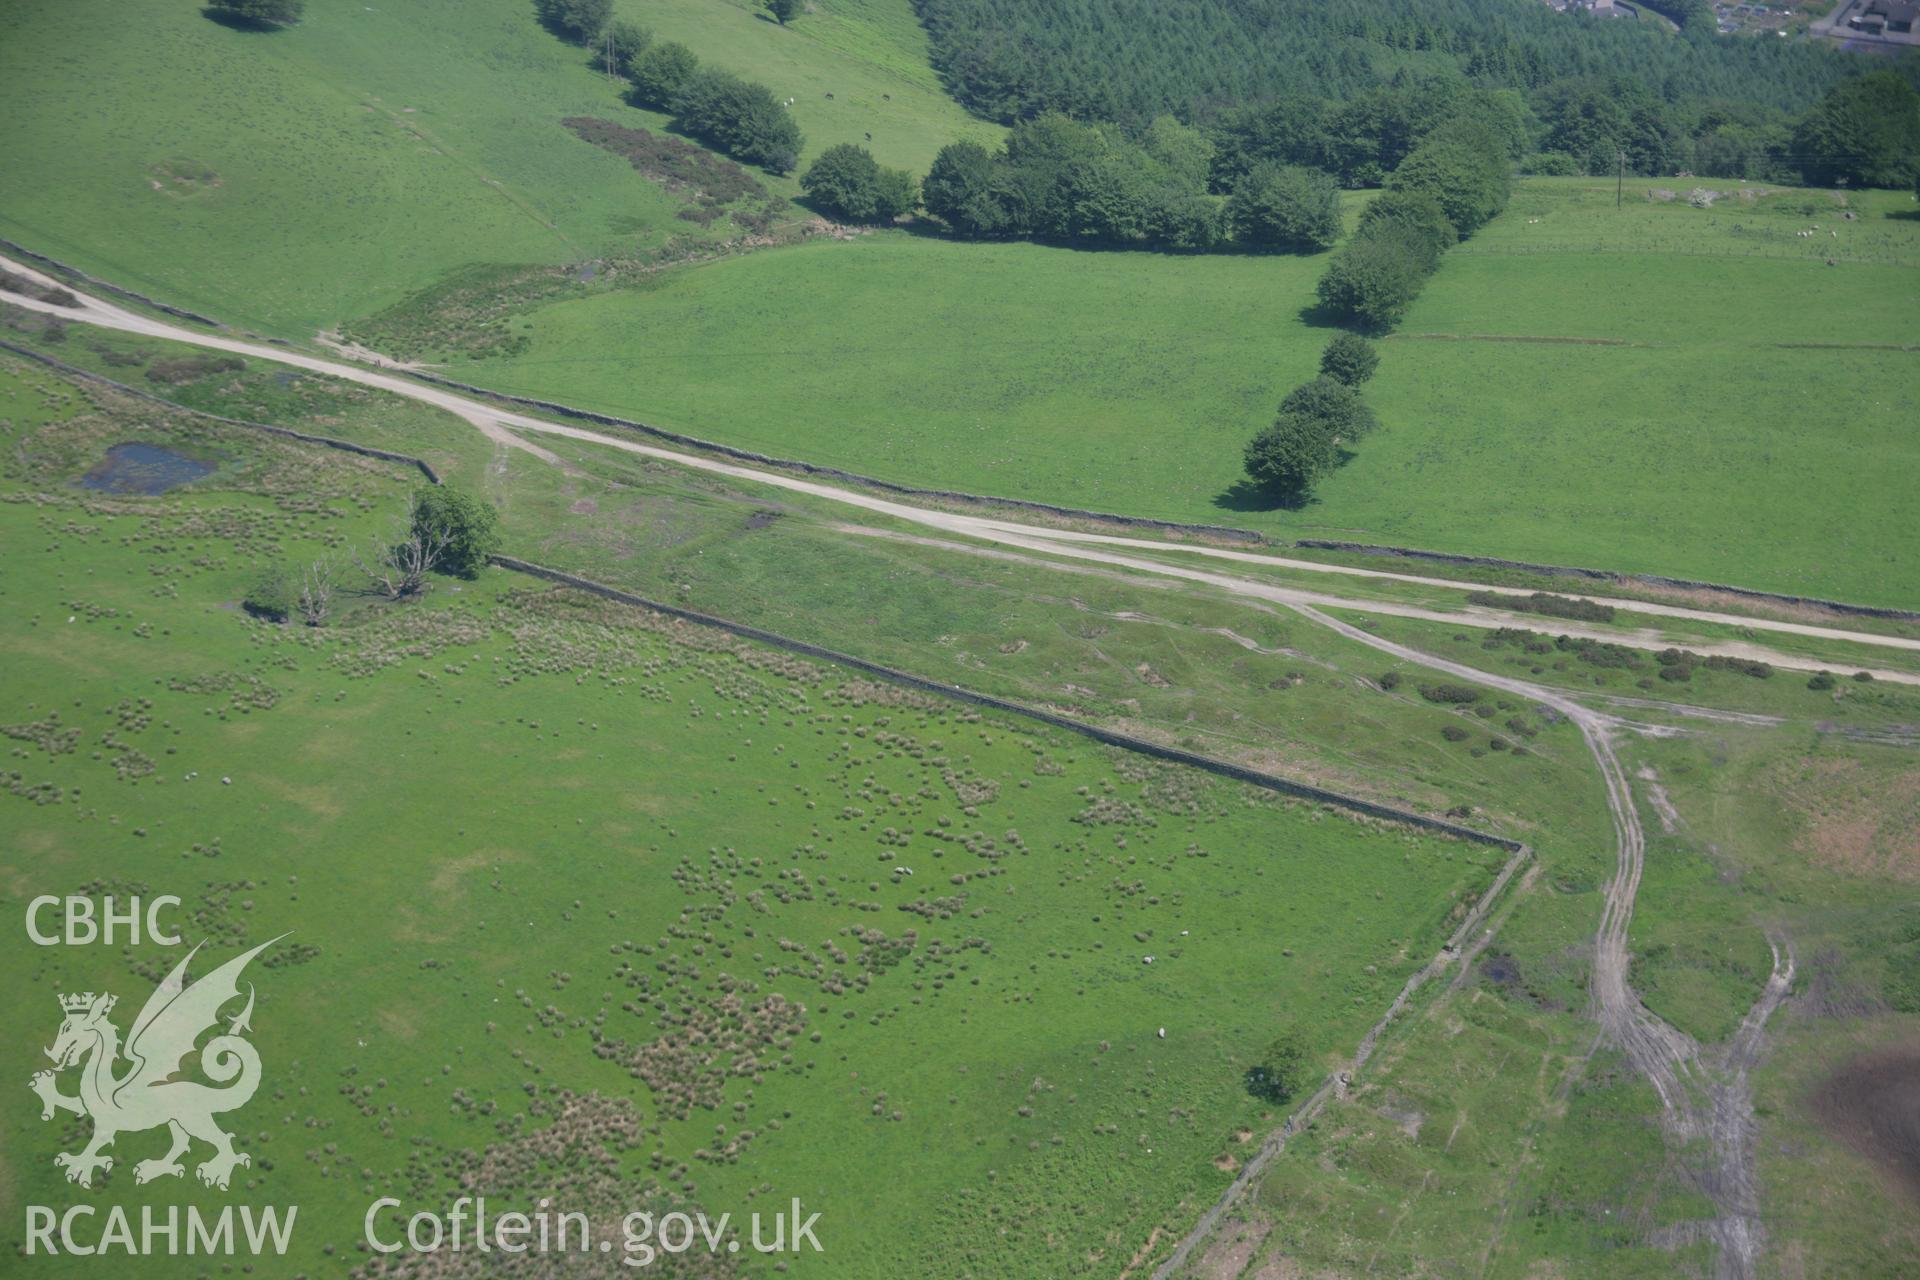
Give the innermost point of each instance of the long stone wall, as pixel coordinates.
(1223, 768)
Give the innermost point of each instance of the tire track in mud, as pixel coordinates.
(1668, 1057)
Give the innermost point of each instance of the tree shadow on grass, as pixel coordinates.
(1246, 496)
(240, 22)
(1318, 315)
(929, 227)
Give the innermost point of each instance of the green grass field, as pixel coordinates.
(386, 150)
(1681, 443)
(293, 180)
(658, 832)
(856, 69)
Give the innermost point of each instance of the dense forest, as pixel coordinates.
(1687, 100)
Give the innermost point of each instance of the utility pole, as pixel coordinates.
(1620, 182)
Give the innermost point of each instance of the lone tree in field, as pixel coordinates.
(783, 11)
(257, 13)
(1349, 359)
(1283, 1070)
(464, 528)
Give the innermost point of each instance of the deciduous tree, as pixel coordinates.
(1289, 456)
(1864, 133)
(464, 528)
(581, 21)
(1349, 359)
(1284, 1070)
(1287, 207)
(847, 182)
(660, 71)
(959, 190)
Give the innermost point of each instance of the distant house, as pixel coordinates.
(1890, 17)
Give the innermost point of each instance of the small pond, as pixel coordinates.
(145, 469)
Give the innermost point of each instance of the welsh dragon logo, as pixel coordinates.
(146, 1095)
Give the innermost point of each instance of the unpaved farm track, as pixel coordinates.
(1669, 1059)
(505, 425)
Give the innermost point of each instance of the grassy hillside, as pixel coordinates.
(385, 149)
(1118, 380)
(856, 69)
(1683, 441)
(291, 180)
(642, 840)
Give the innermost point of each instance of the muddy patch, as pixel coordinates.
(145, 469)
(761, 519)
(1407, 1118)
(1232, 1249)
(1829, 992)
(1854, 818)
(1501, 970)
(1872, 1104)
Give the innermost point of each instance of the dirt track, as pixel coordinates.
(503, 425)
(1670, 1060)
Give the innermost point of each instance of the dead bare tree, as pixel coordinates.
(397, 567)
(315, 597)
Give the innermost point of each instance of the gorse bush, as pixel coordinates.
(1542, 603)
(670, 159)
(180, 369)
(1450, 694)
